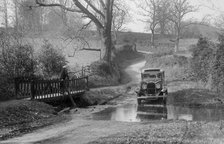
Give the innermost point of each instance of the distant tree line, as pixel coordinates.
(166, 17)
(26, 16)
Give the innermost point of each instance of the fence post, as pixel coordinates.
(82, 71)
(16, 87)
(87, 83)
(32, 90)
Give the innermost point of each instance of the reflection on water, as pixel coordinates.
(135, 113)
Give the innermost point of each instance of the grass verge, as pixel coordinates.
(20, 116)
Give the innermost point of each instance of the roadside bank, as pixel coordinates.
(18, 117)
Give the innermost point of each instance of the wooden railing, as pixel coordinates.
(46, 89)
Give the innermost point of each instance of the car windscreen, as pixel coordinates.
(145, 76)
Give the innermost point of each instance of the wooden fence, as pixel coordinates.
(47, 89)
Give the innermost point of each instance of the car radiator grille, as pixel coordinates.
(151, 88)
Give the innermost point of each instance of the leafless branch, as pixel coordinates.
(86, 25)
(57, 5)
(94, 8)
(103, 4)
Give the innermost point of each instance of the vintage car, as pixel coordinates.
(152, 86)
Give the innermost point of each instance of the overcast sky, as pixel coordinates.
(206, 7)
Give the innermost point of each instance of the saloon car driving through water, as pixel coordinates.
(152, 86)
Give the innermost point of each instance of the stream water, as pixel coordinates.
(135, 113)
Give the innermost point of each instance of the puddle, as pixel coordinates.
(135, 113)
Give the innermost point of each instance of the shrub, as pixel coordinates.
(218, 72)
(50, 60)
(104, 74)
(15, 60)
(202, 61)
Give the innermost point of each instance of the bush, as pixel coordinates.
(218, 68)
(202, 61)
(50, 60)
(16, 60)
(208, 63)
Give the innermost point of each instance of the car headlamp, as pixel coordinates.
(158, 85)
(144, 86)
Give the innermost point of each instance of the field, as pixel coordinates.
(77, 57)
(70, 48)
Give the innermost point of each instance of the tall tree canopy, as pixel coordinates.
(99, 12)
(178, 10)
(150, 10)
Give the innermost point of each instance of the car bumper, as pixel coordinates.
(152, 97)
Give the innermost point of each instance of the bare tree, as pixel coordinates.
(149, 9)
(121, 16)
(99, 12)
(178, 10)
(6, 14)
(31, 16)
(16, 14)
(163, 16)
(64, 12)
(219, 22)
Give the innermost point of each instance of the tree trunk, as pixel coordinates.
(115, 32)
(41, 21)
(107, 42)
(153, 38)
(107, 39)
(162, 28)
(16, 15)
(6, 15)
(63, 14)
(177, 41)
(177, 45)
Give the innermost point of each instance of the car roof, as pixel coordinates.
(152, 70)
